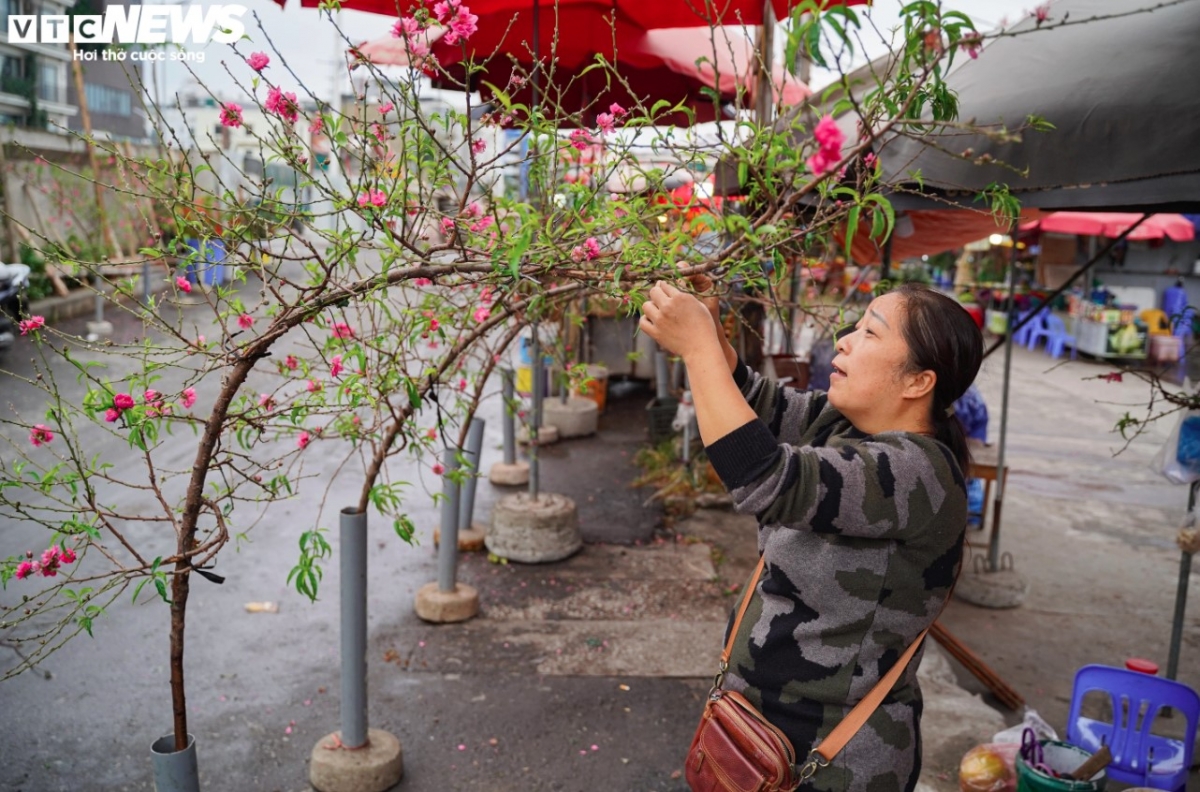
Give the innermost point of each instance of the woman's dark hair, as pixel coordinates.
(942, 338)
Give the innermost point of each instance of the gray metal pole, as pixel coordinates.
(1185, 572)
(474, 446)
(99, 299)
(661, 375)
(535, 419)
(994, 543)
(448, 542)
(353, 545)
(510, 439)
(146, 282)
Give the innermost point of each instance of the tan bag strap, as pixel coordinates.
(746, 595)
(854, 720)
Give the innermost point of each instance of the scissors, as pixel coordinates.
(1031, 752)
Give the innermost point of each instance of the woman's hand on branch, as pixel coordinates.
(678, 321)
(703, 286)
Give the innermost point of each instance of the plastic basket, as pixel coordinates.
(660, 413)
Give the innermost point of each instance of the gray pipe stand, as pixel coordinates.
(447, 601)
(175, 771)
(511, 472)
(470, 533)
(356, 758)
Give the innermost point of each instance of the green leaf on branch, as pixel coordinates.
(307, 573)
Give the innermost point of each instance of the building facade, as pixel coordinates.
(34, 78)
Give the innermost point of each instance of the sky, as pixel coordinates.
(310, 46)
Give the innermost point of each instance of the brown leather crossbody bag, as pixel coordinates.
(737, 750)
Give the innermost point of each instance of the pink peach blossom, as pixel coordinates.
(342, 330)
(245, 321)
(438, 468)
(462, 25)
(231, 114)
(40, 434)
(291, 362)
(31, 324)
(303, 440)
(112, 415)
(258, 61)
(123, 401)
(184, 285)
(189, 398)
(26, 569)
(386, 108)
(335, 366)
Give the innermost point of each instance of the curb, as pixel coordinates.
(82, 302)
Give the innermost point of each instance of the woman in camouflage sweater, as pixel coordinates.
(861, 503)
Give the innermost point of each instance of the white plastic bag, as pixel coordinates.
(685, 413)
(1032, 720)
(1179, 458)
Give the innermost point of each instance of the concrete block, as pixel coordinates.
(999, 590)
(576, 418)
(377, 766)
(547, 435)
(469, 541)
(534, 531)
(446, 607)
(514, 475)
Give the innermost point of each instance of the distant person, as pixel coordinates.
(861, 503)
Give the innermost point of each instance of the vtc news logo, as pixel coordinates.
(145, 24)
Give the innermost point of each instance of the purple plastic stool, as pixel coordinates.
(1139, 757)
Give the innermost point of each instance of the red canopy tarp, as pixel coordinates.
(1112, 224)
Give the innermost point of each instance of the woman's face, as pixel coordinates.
(869, 370)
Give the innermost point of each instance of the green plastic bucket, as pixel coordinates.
(1062, 758)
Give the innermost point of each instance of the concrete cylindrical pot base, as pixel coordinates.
(576, 418)
(534, 531)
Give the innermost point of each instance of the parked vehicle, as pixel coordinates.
(14, 280)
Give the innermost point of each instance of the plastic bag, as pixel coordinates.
(685, 413)
(1179, 458)
(1032, 720)
(989, 768)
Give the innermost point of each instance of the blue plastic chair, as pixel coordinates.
(1034, 331)
(1057, 338)
(1139, 757)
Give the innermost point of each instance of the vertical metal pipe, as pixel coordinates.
(535, 418)
(474, 446)
(448, 542)
(661, 376)
(353, 545)
(99, 300)
(146, 282)
(994, 542)
(1185, 572)
(510, 439)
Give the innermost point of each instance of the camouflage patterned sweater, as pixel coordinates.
(862, 536)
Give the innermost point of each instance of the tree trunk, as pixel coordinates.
(179, 595)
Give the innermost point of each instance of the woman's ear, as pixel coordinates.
(919, 385)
